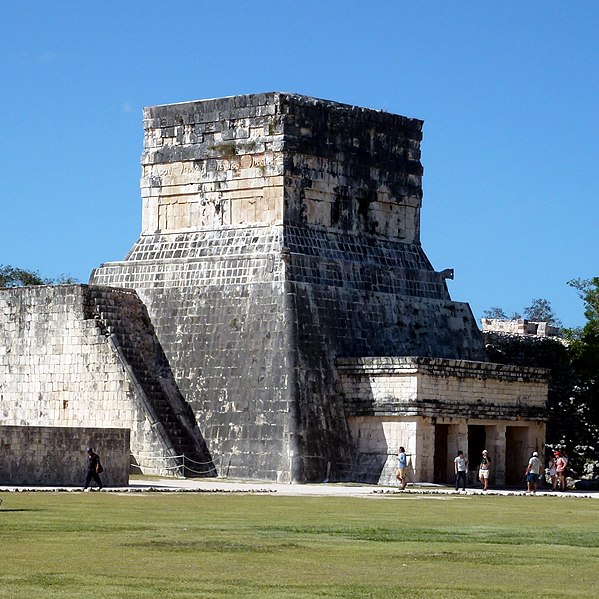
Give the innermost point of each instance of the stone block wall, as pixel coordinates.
(221, 318)
(519, 326)
(351, 169)
(56, 456)
(56, 364)
(61, 365)
(214, 165)
(444, 387)
(269, 158)
(377, 442)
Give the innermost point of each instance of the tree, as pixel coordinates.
(573, 397)
(495, 313)
(588, 289)
(540, 310)
(585, 357)
(17, 277)
(11, 276)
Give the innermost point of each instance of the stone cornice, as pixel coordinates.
(442, 367)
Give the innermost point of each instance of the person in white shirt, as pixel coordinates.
(460, 468)
(533, 471)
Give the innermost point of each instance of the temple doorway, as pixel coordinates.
(516, 458)
(477, 440)
(441, 470)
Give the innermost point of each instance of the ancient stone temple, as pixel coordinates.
(305, 333)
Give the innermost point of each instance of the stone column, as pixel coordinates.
(496, 446)
(457, 438)
(536, 435)
(423, 459)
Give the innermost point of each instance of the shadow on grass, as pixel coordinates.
(19, 509)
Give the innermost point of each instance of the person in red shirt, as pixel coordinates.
(561, 461)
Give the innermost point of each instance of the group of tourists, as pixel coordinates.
(558, 462)
(533, 473)
(460, 468)
(534, 470)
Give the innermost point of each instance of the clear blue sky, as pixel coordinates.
(509, 92)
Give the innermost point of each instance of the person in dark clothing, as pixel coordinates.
(93, 469)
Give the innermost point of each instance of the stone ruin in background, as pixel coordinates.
(519, 326)
(277, 318)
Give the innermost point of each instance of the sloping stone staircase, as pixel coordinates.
(123, 317)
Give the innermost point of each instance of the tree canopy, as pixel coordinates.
(588, 289)
(540, 310)
(584, 350)
(11, 276)
(497, 313)
(573, 400)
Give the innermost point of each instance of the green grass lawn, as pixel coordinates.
(167, 545)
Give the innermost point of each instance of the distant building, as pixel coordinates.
(519, 326)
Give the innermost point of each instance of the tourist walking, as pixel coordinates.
(460, 468)
(533, 471)
(484, 470)
(94, 468)
(402, 468)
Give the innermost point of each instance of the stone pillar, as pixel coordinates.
(406, 436)
(496, 446)
(457, 438)
(536, 433)
(423, 458)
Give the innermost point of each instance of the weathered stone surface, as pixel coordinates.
(56, 455)
(280, 232)
(433, 386)
(79, 356)
(296, 160)
(519, 326)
